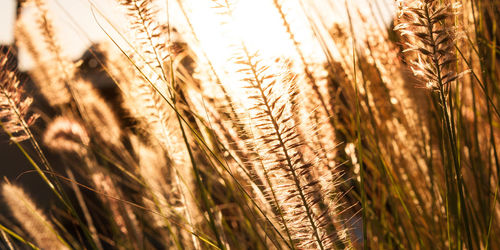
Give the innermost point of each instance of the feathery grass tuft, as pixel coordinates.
(33, 221)
(15, 116)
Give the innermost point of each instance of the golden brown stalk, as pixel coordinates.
(423, 24)
(33, 221)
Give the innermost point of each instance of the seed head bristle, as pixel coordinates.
(66, 135)
(96, 112)
(52, 70)
(14, 106)
(272, 94)
(423, 25)
(33, 221)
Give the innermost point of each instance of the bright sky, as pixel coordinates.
(74, 19)
(6, 14)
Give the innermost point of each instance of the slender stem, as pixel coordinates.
(448, 123)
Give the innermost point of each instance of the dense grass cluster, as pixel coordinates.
(261, 124)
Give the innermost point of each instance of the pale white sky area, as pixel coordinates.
(73, 19)
(77, 27)
(6, 14)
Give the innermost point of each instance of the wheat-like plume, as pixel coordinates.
(315, 111)
(33, 221)
(43, 74)
(299, 194)
(96, 112)
(14, 106)
(422, 23)
(59, 71)
(159, 120)
(150, 50)
(66, 135)
(46, 26)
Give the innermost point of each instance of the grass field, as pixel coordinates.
(257, 124)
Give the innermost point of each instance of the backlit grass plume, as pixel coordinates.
(300, 197)
(33, 221)
(96, 112)
(430, 39)
(54, 71)
(286, 169)
(15, 116)
(150, 41)
(66, 135)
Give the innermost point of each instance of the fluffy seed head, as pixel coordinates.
(66, 135)
(96, 112)
(33, 221)
(422, 24)
(14, 107)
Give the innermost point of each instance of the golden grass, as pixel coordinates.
(266, 124)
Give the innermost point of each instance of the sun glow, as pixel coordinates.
(256, 25)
